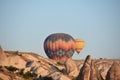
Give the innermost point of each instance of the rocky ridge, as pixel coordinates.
(35, 67)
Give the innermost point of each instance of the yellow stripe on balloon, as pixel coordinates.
(79, 45)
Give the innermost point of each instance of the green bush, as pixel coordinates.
(46, 78)
(20, 72)
(11, 68)
(28, 75)
(60, 63)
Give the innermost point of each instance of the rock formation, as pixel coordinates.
(94, 74)
(71, 68)
(8, 75)
(85, 70)
(89, 70)
(114, 72)
(3, 58)
(29, 64)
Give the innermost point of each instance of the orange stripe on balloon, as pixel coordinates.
(60, 44)
(53, 46)
(50, 45)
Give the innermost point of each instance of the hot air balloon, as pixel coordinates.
(79, 45)
(59, 46)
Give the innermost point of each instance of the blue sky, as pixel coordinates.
(24, 25)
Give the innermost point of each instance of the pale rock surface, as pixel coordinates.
(8, 75)
(103, 68)
(71, 67)
(42, 71)
(4, 77)
(62, 77)
(114, 72)
(58, 76)
(16, 61)
(29, 57)
(94, 73)
(85, 70)
(3, 58)
(89, 71)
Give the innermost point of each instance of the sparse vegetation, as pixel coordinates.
(74, 78)
(11, 68)
(60, 63)
(46, 78)
(20, 72)
(28, 75)
(0, 66)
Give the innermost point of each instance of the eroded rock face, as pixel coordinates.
(85, 70)
(103, 68)
(8, 75)
(114, 72)
(71, 68)
(89, 70)
(94, 74)
(3, 58)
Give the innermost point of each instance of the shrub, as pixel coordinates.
(28, 75)
(46, 78)
(20, 72)
(60, 63)
(11, 68)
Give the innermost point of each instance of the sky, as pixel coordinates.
(24, 25)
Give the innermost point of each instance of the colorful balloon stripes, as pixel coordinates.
(79, 45)
(61, 46)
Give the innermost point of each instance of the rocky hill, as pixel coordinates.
(15, 65)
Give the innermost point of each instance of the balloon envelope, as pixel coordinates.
(59, 46)
(79, 45)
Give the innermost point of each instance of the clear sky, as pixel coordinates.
(24, 25)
